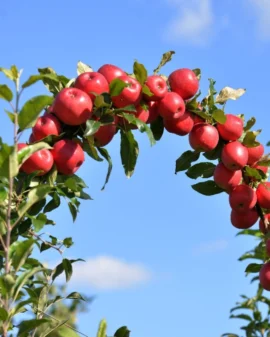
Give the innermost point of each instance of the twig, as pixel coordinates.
(45, 242)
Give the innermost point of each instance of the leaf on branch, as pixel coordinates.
(26, 152)
(19, 252)
(91, 128)
(36, 194)
(157, 128)
(27, 326)
(129, 152)
(229, 93)
(166, 57)
(185, 160)
(207, 188)
(31, 110)
(117, 86)
(201, 170)
(140, 72)
(253, 268)
(219, 116)
(5, 93)
(198, 73)
(122, 332)
(83, 68)
(35, 78)
(250, 138)
(105, 154)
(250, 123)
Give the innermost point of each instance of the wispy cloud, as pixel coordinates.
(210, 247)
(192, 22)
(262, 11)
(108, 273)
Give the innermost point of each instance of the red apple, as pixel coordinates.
(171, 106)
(72, 106)
(263, 195)
(110, 72)
(226, 178)
(244, 220)
(234, 156)
(92, 82)
(181, 126)
(255, 154)
(46, 126)
(158, 87)
(265, 276)
(41, 160)
(130, 95)
(68, 156)
(184, 82)
(243, 198)
(232, 129)
(203, 137)
(153, 112)
(105, 134)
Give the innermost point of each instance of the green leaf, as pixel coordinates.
(129, 152)
(39, 222)
(10, 74)
(250, 138)
(157, 128)
(75, 296)
(122, 332)
(242, 316)
(143, 127)
(208, 188)
(198, 73)
(140, 72)
(102, 328)
(73, 211)
(26, 326)
(103, 101)
(27, 151)
(201, 170)
(254, 173)
(91, 128)
(52, 204)
(83, 68)
(219, 116)
(31, 110)
(51, 85)
(146, 90)
(35, 78)
(71, 184)
(67, 242)
(250, 123)
(36, 194)
(166, 57)
(11, 115)
(5, 154)
(5, 93)
(252, 232)
(105, 154)
(21, 253)
(6, 284)
(117, 86)
(185, 160)
(3, 314)
(3, 193)
(253, 268)
(211, 94)
(67, 268)
(23, 279)
(60, 268)
(90, 149)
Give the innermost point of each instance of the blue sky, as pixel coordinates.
(161, 258)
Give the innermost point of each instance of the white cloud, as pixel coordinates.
(192, 22)
(262, 10)
(106, 273)
(210, 247)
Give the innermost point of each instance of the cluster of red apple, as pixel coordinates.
(75, 105)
